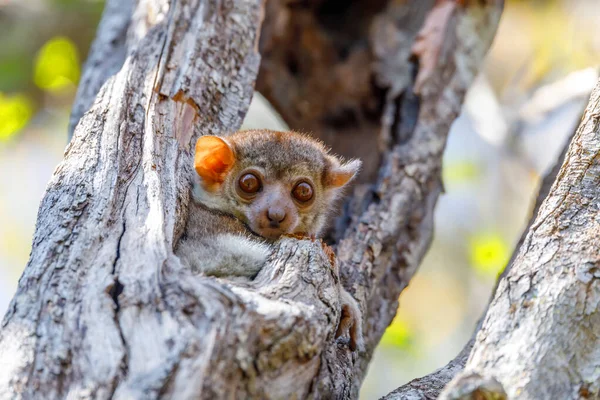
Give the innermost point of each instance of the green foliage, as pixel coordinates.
(57, 65)
(463, 171)
(488, 253)
(14, 73)
(15, 113)
(398, 334)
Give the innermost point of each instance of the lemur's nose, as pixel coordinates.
(276, 215)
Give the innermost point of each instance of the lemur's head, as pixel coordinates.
(275, 182)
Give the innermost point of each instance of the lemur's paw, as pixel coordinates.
(350, 326)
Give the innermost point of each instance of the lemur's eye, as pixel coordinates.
(302, 192)
(249, 183)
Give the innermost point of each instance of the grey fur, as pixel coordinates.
(218, 240)
(224, 255)
(217, 244)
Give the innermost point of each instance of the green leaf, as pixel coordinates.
(57, 65)
(15, 113)
(398, 334)
(488, 253)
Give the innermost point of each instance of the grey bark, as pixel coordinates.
(539, 338)
(430, 386)
(105, 310)
(106, 57)
(387, 229)
(384, 245)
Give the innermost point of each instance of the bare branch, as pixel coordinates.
(384, 246)
(430, 386)
(99, 311)
(106, 57)
(541, 322)
(104, 308)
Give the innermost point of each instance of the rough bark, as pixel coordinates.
(540, 336)
(430, 386)
(106, 57)
(104, 309)
(388, 228)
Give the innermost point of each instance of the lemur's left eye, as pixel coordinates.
(249, 183)
(302, 192)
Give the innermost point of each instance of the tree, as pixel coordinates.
(104, 308)
(539, 336)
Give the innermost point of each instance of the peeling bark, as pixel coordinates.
(105, 310)
(539, 337)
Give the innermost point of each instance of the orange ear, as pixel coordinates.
(339, 175)
(213, 160)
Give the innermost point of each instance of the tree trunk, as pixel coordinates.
(423, 55)
(429, 387)
(105, 310)
(540, 336)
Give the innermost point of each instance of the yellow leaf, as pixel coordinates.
(398, 334)
(15, 113)
(461, 172)
(489, 253)
(57, 65)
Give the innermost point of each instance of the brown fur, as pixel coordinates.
(282, 159)
(229, 231)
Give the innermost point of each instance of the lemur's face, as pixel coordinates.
(276, 204)
(277, 183)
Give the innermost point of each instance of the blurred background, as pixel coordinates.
(522, 107)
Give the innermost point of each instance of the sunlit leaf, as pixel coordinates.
(398, 334)
(489, 253)
(57, 65)
(461, 172)
(15, 113)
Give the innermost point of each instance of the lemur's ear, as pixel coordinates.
(213, 160)
(339, 174)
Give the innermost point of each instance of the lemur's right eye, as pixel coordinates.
(249, 183)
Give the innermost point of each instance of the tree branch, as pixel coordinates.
(541, 322)
(99, 311)
(430, 386)
(104, 309)
(390, 227)
(106, 57)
